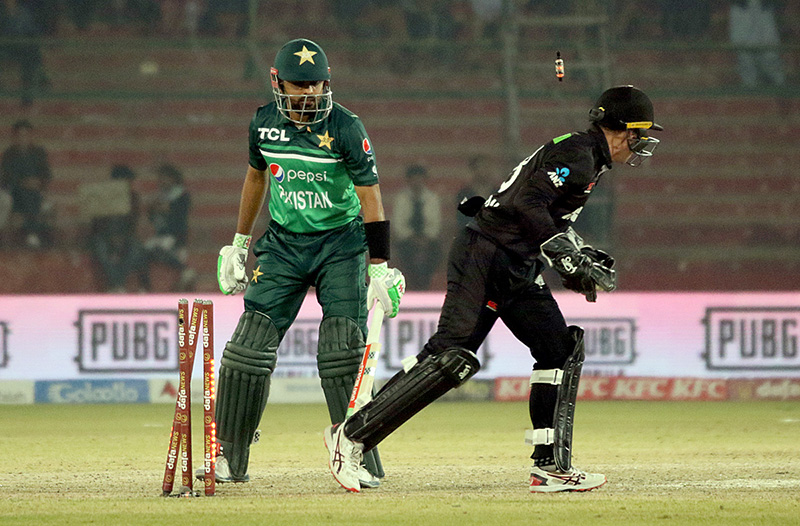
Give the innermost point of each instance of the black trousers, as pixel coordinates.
(486, 283)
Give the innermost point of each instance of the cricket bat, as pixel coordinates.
(362, 390)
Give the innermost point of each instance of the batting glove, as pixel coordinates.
(231, 273)
(386, 285)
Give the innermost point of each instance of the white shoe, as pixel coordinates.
(550, 481)
(222, 472)
(344, 457)
(367, 479)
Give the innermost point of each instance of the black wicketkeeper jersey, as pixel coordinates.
(544, 193)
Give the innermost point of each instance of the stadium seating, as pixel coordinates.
(717, 208)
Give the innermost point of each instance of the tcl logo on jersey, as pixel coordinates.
(273, 134)
(559, 176)
(277, 172)
(367, 147)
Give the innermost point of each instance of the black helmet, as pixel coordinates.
(302, 60)
(624, 107)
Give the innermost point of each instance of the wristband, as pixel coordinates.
(377, 234)
(241, 240)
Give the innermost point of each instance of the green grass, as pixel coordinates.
(455, 463)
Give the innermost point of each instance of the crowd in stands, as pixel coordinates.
(25, 211)
(123, 252)
(132, 234)
(123, 260)
(114, 211)
(387, 19)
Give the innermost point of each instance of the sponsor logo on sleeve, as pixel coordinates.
(367, 146)
(559, 176)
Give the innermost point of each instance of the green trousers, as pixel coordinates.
(333, 262)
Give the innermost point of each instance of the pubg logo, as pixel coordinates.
(752, 338)
(127, 341)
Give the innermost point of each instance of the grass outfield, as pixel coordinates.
(691, 463)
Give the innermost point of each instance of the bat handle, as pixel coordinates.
(373, 335)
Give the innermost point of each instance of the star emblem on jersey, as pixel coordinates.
(256, 273)
(325, 140)
(306, 56)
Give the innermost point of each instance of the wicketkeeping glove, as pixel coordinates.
(386, 285)
(231, 272)
(574, 267)
(602, 272)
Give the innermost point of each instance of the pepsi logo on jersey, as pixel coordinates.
(280, 174)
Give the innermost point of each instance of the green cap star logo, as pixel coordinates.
(306, 55)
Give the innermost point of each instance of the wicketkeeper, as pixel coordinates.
(317, 160)
(494, 272)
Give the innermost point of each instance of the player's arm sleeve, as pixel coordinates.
(356, 150)
(539, 191)
(257, 160)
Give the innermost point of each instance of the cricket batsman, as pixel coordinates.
(327, 218)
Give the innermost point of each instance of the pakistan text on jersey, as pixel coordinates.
(306, 199)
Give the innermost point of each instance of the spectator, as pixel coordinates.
(17, 22)
(686, 19)
(169, 215)
(113, 240)
(225, 18)
(486, 18)
(430, 29)
(417, 225)
(754, 31)
(5, 209)
(480, 183)
(25, 174)
(81, 13)
(46, 14)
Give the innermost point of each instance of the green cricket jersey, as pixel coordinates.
(313, 170)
